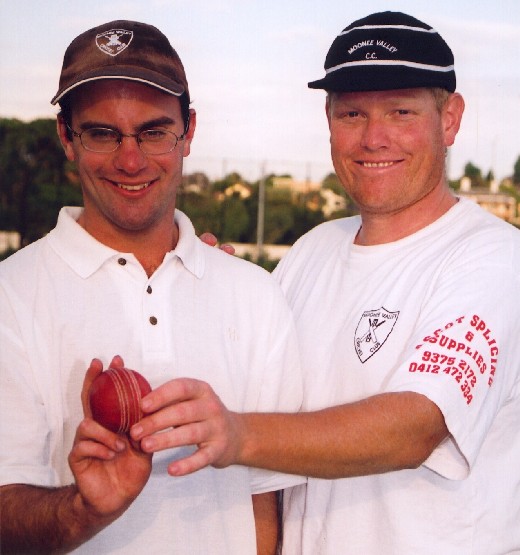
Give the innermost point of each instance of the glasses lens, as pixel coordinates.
(99, 139)
(151, 141)
(157, 141)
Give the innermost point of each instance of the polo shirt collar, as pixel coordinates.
(189, 249)
(85, 255)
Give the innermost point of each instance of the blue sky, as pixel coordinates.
(248, 63)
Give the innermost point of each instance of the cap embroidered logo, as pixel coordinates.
(113, 42)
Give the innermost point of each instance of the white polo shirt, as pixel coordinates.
(204, 314)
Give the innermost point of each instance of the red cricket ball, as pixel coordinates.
(115, 397)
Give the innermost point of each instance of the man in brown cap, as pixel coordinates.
(126, 274)
(408, 323)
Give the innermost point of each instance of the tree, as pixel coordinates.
(475, 174)
(304, 220)
(200, 179)
(36, 180)
(203, 210)
(234, 219)
(332, 182)
(231, 179)
(516, 172)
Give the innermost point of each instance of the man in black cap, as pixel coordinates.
(126, 274)
(408, 323)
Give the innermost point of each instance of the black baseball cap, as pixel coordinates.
(387, 51)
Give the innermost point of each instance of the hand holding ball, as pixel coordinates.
(115, 397)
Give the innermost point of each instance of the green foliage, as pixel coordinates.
(35, 178)
(233, 219)
(264, 261)
(231, 179)
(472, 171)
(511, 190)
(475, 174)
(6, 254)
(333, 183)
(454, 184)
(203, 211)
(516, 172)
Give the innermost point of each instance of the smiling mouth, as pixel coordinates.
(138, 187)
(377, 164)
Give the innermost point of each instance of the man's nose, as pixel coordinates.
(375, 134)
(129, 157)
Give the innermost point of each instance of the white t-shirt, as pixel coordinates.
(437, 313)
(204, 314)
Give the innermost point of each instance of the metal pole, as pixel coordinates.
(260, 215)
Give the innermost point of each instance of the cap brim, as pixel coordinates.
(380, 78)
(125, 73)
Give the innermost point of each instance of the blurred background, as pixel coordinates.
(261, 132)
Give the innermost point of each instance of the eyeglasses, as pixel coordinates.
(150, 141)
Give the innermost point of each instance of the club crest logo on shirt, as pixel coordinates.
(372, 331)
(113, 42)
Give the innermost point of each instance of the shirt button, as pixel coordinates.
(121, 261)
(153, 320)
(149, 290)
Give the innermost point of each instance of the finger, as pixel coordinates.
(175, 391)
(190, 464)
(189, 434)
(169, 419)
(93, 371)
(198, 460)
(92, 440)
(179, 402)
(117, 362)
(90, 450)
(209, 239)
(89, 429)
(229, 249)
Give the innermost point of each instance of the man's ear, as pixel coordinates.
(65, 136)
(451, 117)
(186, 144)
(328, 108)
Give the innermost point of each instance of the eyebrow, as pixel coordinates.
(157, 122)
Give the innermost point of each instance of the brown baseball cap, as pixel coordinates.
(126, 50)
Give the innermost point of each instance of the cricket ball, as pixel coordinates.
(115, 396)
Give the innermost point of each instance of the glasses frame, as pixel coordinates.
(120, 139)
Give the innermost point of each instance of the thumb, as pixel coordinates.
(93, 371)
